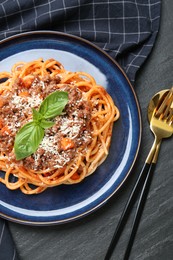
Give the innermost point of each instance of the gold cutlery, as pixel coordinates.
(160, 115)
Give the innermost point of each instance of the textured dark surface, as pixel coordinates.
(89, 238)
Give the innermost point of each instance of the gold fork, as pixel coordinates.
(161, 124)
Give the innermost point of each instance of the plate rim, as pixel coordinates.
(100, 204)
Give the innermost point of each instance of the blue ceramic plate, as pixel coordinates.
(69, 202)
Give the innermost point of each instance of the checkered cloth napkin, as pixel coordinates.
(125, 29)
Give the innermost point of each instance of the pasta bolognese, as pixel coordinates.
(72, 144)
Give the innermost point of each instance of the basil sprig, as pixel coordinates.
(31, 134)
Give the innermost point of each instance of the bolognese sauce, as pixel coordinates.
(70, 131)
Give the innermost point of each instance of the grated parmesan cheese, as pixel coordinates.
(26, 102)
(48, 144)
(70, 127)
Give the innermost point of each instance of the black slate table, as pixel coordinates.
(88, 238)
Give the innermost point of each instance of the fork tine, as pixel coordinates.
(168, 109)
(169, 118)
(163, 108)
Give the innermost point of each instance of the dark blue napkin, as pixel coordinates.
(126, 30)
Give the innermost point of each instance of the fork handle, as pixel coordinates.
(145, 172)
(139, 210)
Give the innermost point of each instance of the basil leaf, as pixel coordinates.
(36, 115)
(27, 140)
(53, 104)
(46, 124)
(30, 135)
